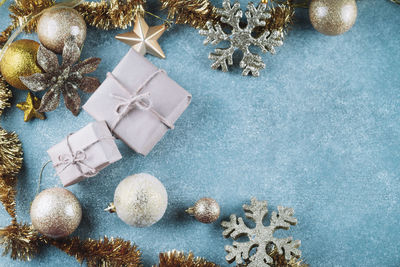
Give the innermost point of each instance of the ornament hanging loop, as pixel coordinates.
(40, 177)
(111, 208)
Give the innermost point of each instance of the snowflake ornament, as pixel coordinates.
(260, 237)
(241, 38)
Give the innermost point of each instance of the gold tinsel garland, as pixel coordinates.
(195, 13)
(110, 252)
(179, 259)
(111, 14)
(21, 241)
(11, 154)
(5, 95)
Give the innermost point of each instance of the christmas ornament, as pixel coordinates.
(196, 13)
(241, 38)
(333, 17)
(11, 154)
(139, 102)
(65, 78)
(260, 236)
(21, 241)
(107, 252)
(20, 60)
(5, 95)
(144, 38)
(30, 106)
(140, 200)
(206, 210)
(56, 212)
(179, 259)
(85, 153)
(57, 25)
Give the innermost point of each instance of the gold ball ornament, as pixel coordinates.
(140, 200)
(55, 26)
(206, 210)
(56, 212)
(333, 17)
(20, 59)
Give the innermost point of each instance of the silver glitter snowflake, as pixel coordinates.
(260, 237)
(241, 38)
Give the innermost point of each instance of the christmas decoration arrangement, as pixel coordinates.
(265, 27)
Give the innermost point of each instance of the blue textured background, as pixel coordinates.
(319, 131)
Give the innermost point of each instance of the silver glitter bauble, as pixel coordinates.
(56, 212)
(140, 200)
(206, 210)
(55, 26)
(333, 17)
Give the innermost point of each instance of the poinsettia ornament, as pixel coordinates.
(63, 79)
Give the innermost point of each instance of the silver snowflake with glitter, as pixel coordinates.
(241, 37)
(260, 237)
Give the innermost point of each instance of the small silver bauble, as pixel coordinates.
(56, 212)
(55, 26)
(140, 200)
(206, 210)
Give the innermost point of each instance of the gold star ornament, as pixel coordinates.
(30, 106)
(144, 38)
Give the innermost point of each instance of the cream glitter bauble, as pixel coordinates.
(140, 200)
(55, 26)
(56, 212)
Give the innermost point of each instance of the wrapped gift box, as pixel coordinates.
(84, 153)
(139, 102)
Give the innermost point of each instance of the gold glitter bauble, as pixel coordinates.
(333, 17)
(56, 212)
(55, 26)
(206, 210)
(140, 200)
(20, 60)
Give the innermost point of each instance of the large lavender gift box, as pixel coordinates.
(84, 153)
(139, 102)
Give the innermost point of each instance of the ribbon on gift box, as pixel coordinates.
(76, 158)
(138, 100)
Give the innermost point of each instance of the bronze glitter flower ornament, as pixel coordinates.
(63, 79)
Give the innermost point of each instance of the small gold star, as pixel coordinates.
(144, 38)
(30, 106)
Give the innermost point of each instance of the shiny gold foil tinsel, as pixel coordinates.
(8, 193)
(196, 13)
(179, 259)
(104, 14)
(5, 95)
(280, 261)
(110, 252)
(111, 14)
(21, 241)
(11, 155)
(281, 16)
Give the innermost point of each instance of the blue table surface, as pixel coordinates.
(318, 131)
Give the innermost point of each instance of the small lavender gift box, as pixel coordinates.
(84, 153)
(139, 102)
